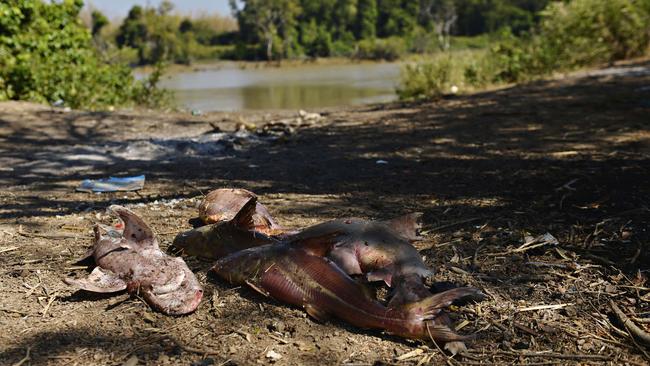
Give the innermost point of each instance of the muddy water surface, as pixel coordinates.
(229, 87)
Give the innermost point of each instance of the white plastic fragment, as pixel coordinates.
(273, 356)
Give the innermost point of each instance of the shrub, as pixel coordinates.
(582, 32)
(575, 34)
(571, 34)
(46, 55)
(389, 49)
(425, 80)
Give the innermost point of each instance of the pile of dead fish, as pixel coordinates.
(320, 268)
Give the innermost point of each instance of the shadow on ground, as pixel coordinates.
(572, 153)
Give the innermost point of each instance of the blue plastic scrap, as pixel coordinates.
(112, 184)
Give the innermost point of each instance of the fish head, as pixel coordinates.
(247, 265)
(223, 204)
(181, 295)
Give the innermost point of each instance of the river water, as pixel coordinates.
(230, 88)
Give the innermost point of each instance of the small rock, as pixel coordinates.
(276, 326)
(148, 317)
(132, 361)
(205, 362)
(163, 359)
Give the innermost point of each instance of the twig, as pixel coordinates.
(562, 356)
(279, 339)
(26, 358)
(199, 351)
(416, 352)
(629, 324)
(447, 358)
(4, 250)
(446, 226)
(543, 307)
(475, 256)
(545, 264)
(46, 236)
(194, 187)
(49, 303)
(14, 311)
(525, 329)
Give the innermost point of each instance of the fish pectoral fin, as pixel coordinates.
(316, 313)
(100, 280)
(383, 274)
(134, 227)
(431, 306)
(257, 288)
(87, 256)
(442, 333)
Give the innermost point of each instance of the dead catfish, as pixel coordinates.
(291, 275)
(226, 236)
(380, 250)
(222, 205)
(131, 260)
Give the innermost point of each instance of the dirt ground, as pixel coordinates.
(569, 157)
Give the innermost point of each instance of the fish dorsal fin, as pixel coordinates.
(244, 218)
(407, 225)
(134, 227)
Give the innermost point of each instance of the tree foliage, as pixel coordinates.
(99, 21)
(159, 35)
(569, 35)
(282, 28)
(46, 55)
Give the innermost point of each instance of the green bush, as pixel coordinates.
(389, 49)
(425, 80)
(583, 32)
(46, 55)
(571, 34)
(342, 49)
(575, 34)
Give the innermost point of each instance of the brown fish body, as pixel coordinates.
(365, 247)
(218, 240)
(379, 249)
(222, 205)
(132, 260)
(290, 274)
